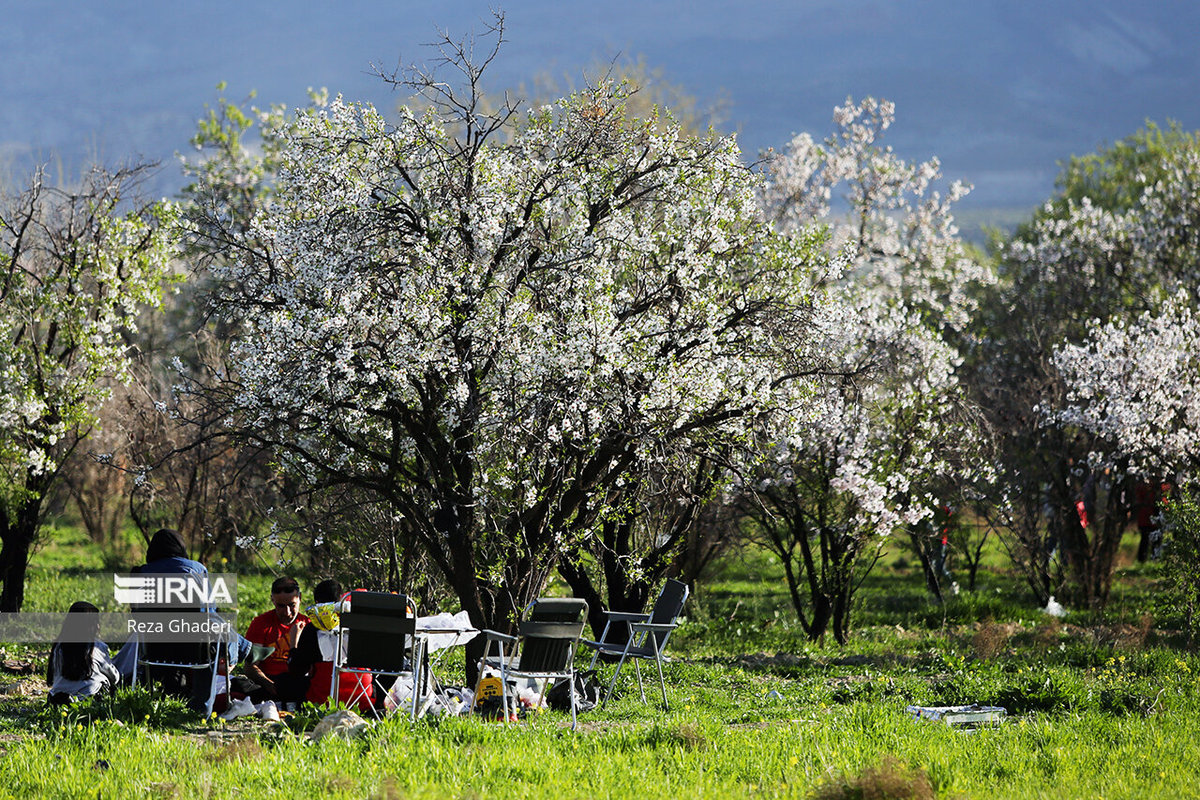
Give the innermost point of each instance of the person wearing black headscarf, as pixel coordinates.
(79, 664)
(167, 555)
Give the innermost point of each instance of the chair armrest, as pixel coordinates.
(496, 636)
(625, 616)
(651, 626)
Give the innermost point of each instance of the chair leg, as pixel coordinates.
(571, 682)
(613, 682)
(335, 681)
(212, 687)
(637, 668)
(658, 663)
(603, 639)
(418, 669)
(503, 684)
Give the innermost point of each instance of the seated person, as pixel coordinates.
(311, 659)
(79, 664)
(278, 628)
(167, 554)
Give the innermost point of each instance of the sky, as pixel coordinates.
(999, 90)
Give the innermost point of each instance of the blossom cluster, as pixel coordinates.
(884, 211)
(1137, 384)
(73, 291)
(882, 431)
(581, 290)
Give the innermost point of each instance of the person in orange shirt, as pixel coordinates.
(278, 628)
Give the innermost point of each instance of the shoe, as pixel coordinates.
(242, 707)
(268, 711)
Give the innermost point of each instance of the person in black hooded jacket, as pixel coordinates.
(167, 555)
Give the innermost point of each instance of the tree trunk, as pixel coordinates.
(822, 613)
(17, 535)
(818, 590)
(841, 618)
(923, 545)
(462, 580)
(469, 597)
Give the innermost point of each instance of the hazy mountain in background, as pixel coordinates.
(1000, 91)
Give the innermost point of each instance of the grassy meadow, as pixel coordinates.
(1100, 705)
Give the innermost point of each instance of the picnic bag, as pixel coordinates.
(587, 692)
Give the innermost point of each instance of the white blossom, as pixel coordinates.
(1137, 385)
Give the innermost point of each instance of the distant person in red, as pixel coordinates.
(278, 628)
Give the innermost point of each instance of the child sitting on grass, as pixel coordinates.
(79, 664)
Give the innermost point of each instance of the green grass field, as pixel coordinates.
(1099, 706)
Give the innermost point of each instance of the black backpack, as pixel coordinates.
(587, 692)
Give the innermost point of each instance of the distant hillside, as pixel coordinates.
(973, 223)
(1001, 91)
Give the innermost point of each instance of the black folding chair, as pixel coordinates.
(647, 639)
(378, 636)
(543, 649)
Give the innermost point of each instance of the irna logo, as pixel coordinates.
(172, 590)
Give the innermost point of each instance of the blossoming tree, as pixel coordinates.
(490, 320)
(76, 267)
(885, 441)
(861, 457)
(1083, 269)
(1061, 270)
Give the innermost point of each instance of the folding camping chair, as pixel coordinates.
(198, 657)
(378, 636)
(543, 649)
(647, 639)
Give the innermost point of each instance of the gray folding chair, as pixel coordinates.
(378, 636)
(648, 635)
(202, 659)
(160, 660)
(543, 649)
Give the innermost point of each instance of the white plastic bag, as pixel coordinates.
(400, 695)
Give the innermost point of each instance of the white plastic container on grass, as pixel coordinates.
(972, 716)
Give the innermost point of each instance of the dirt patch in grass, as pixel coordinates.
(990, 638)
(891, 780)
(1123, 636)
(30, 687)
(765, 661)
